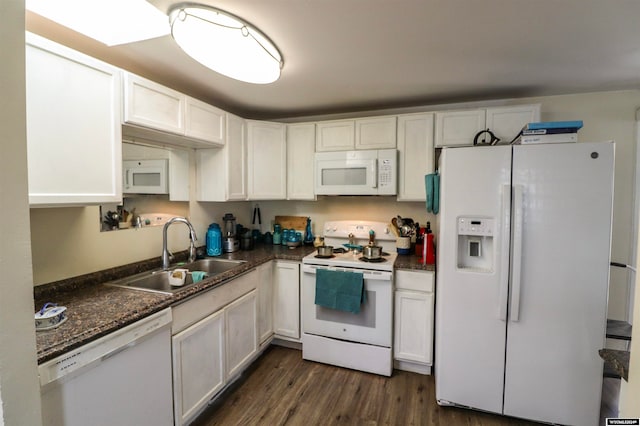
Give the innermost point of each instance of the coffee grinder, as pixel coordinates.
(230, 241)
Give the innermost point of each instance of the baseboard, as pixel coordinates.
(413, 367)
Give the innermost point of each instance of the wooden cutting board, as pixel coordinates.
(292, 222)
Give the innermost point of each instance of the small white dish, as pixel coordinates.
(177, 277)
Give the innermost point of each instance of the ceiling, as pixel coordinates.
(358, 55)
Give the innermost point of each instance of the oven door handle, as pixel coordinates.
(367, 275)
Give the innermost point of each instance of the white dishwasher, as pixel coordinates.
(121, 379)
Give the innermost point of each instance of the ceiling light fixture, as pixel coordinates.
(225, 43)
(110, 22)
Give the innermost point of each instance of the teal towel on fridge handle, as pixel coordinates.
(432, 189)
(428, 187)
(436, 193)
(339, 290)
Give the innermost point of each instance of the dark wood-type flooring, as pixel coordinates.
(283, 389)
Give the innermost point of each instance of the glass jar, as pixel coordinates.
(277, 234)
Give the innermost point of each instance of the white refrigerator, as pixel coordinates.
(522, 281)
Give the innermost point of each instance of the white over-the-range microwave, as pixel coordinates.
(145, 176)
(365, 172)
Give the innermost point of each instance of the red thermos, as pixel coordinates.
(429, 248)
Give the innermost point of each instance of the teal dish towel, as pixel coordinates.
(197, 276)
(339, 290)
(432, 187)
(436, 193)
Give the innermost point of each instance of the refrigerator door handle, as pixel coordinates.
(504, 250)
(516, 247)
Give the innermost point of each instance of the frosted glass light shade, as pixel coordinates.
(110, 22)
(225, 44)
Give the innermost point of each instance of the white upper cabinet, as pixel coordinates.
(506, 122)
(236, 165)
(221, 173)
(458, 128)
(301, 144)
(336, 135)
(361, 133)
(150, 104)
(376, 133)
(415, 155)
(73, 115)
(151, 110)
(266, 160)
(203, 121)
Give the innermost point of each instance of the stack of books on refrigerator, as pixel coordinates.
(549, 132)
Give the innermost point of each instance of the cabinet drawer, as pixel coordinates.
(415, 280)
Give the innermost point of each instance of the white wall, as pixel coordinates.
(18, 373)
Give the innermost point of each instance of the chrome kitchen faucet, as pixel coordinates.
(192, 239)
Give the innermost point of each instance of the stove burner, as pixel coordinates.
(339, 250)
(323, 257)
(378, 260)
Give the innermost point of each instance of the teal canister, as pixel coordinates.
(214, 240)
(277, 234)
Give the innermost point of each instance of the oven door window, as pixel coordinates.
(366, 317)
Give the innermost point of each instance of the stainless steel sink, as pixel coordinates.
(158, 281)
(213, 266)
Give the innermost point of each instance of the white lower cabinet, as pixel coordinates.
(414, 313)
(286, 300)
(265, 303)
(214, 338)
(198, 366)
(241, 333)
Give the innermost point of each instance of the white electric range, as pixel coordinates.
(359, 341)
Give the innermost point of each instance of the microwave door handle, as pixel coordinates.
(127, 178)
(374, 173)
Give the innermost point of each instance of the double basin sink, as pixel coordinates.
(158, 281)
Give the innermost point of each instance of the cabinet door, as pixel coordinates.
(221, 172)
(413, 334)
(415, 155)
(236, 158)
(150, 104)
(506, 122)
(179, 175)
(458, 128)
(376, 133)
(301, 146)
(336, 135)
(74, 132)
(242, 332)
(267, 160)
(198, 366)
(265, 302)
(204, 122)
(286, 299)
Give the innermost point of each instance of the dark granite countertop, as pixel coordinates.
(618, 360)
(94, 309)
